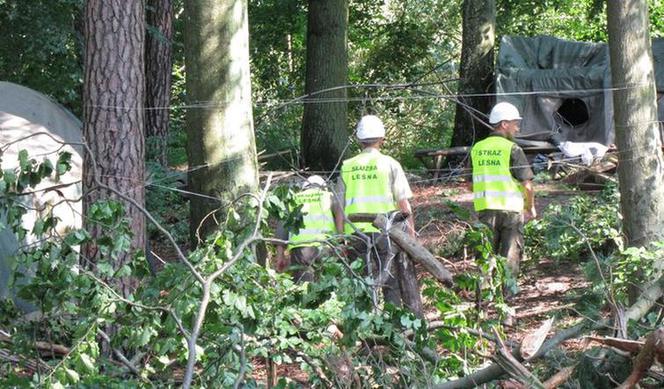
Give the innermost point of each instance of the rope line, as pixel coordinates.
(306, 99)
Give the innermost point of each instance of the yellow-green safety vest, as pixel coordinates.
(493, 184)
(367, 181)
(317, 218)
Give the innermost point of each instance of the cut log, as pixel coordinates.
(630, 346)
(412, 247)
(31, 364)
(43, 347)
(410, 289)
(513, 367)
(532, 342)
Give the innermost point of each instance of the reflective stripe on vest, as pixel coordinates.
(493, 184)
(367, 181)
(317, 219)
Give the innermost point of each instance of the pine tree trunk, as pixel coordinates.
(476, 73)
(641, 169)
(113, 98)
(324, 133)
(158, 69)
(220, 137)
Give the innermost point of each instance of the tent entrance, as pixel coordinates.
(573, 112)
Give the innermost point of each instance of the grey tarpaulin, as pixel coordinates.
(23, 114)
(563, 86)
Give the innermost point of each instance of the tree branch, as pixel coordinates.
(207, 285)
(647, 299)
(121, 357)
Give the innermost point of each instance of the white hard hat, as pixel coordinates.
(369, 127)
(503, 111)
(314, 180)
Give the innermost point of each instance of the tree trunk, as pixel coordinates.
(158, 69)
(324, 133)
(476, 72)
(220, 136)
(113, 98)
(640, 169)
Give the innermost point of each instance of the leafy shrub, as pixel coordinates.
(167, 205)
(570, 231)
(625, 269)
(254, 313)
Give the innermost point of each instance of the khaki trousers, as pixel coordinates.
(507, 227)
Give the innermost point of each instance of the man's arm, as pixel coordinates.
(404, 207)
(521, 171)
(530, 198)
(401, 190)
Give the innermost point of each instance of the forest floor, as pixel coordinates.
(545, 287)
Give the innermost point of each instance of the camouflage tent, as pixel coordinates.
(563, 87)
(31, 121)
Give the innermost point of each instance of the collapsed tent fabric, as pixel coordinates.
(563, 87)
(31, 121)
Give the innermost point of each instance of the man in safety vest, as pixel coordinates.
(502, 187)
(305, 246)
(372, 182)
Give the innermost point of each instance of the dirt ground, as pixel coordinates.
(544, 286)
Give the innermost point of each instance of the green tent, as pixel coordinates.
(30, 120)
(563, 87)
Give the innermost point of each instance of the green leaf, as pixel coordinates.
(461, 212)
(64, 164)
(73, 375)
(23, 160)
(164, 360)
(87, 362)
(57, 385)
(105, 268)
(45, 168)
(9, 178)
(146, 334)
(38, 228)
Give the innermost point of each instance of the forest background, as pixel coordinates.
(403, 64)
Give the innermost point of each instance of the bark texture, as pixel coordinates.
(324, 134)
(220, 137)
(640, 169)
(113, 98)
(476, 72)
(158, 64)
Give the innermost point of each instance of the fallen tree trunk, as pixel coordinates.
(628, 345)
(31, 364)
(492, 372)
(513, 366)
(43, 347)
(415, 250)
(533, 341)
